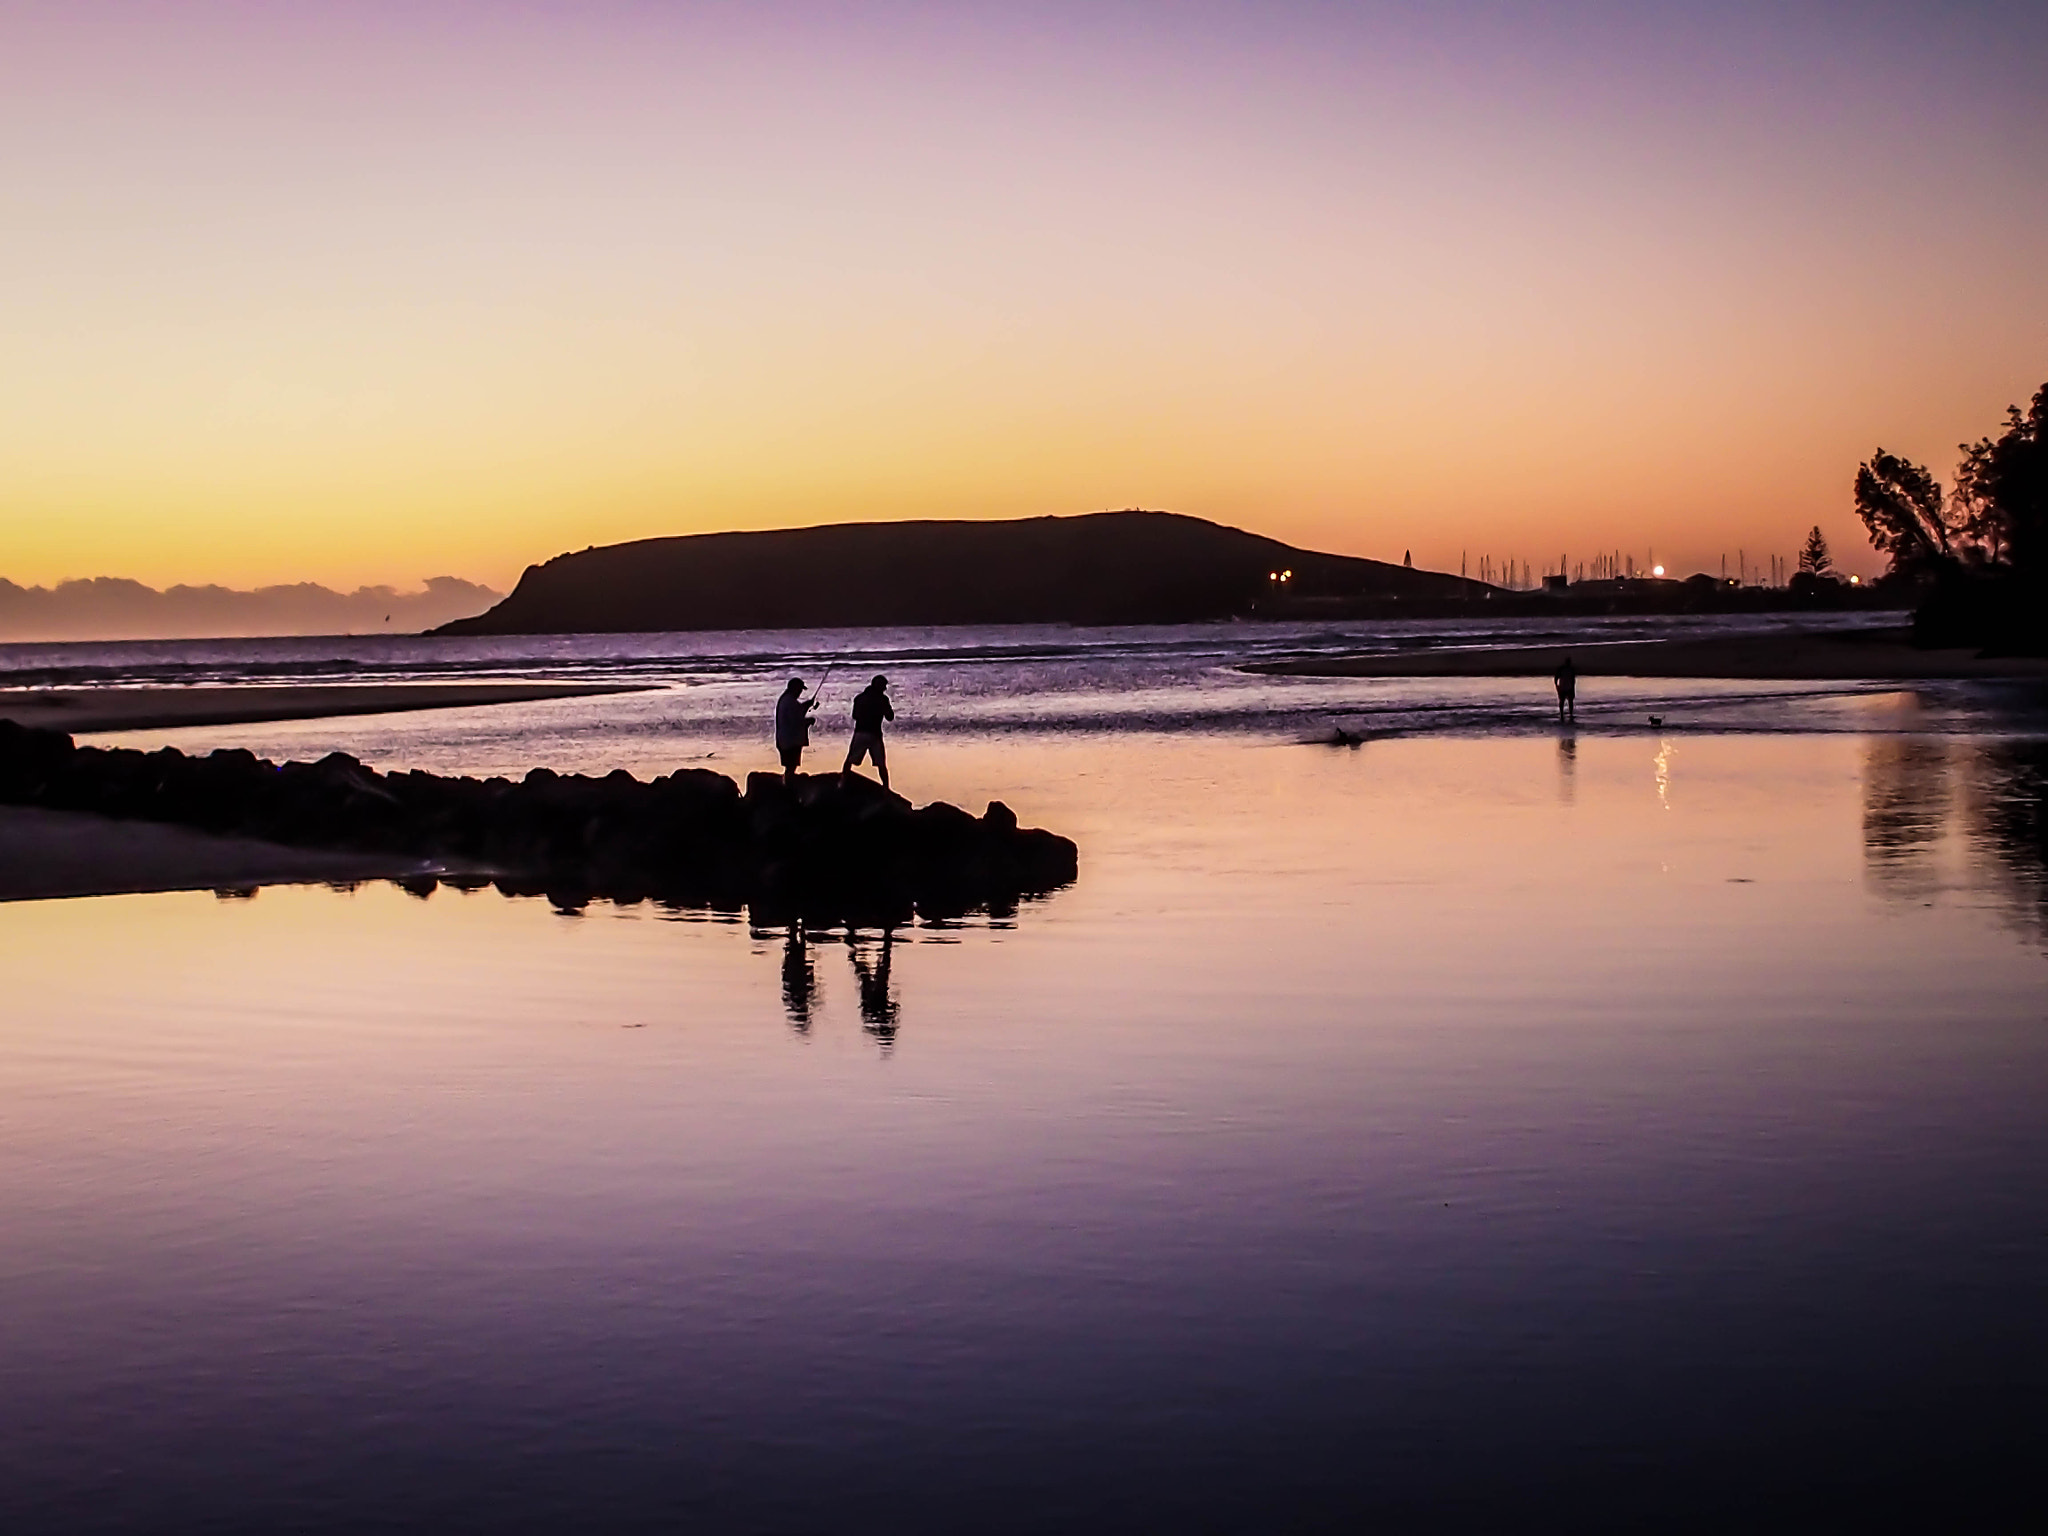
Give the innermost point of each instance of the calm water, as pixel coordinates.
(1640, 1126)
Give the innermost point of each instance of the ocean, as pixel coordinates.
(1482, 1124)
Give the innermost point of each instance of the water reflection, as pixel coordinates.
(2008, 799)
(799, 979)
(872, 958)
(1236, 1187)
(1567, 769)
(1984, 803)
(878, 1006)
(870, 947)
(1906, 809)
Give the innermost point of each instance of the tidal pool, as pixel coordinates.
(1623, 1127)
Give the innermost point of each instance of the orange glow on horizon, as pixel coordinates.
(356, 295)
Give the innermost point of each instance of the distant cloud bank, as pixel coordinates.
(113, 608)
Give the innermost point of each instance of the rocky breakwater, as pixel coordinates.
(823, 848)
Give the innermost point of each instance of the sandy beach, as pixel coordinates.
(78, 710)
(1846, 656)
(49, 854)
(46, 854)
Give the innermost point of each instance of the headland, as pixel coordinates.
(1132, 567)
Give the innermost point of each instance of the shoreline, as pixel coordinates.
(50, 855)
(1864, 655)
(80, 711)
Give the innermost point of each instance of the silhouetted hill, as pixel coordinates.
(1102, 568)
(114, 608)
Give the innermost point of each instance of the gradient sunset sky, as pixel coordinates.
(370, 291)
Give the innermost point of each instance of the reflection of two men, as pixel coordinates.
(871, 976)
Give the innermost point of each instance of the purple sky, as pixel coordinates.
(363, 292)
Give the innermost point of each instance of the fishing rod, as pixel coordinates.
(819, 691)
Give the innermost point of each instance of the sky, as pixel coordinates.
(363, 292)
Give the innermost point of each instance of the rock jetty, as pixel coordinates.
(827, 849)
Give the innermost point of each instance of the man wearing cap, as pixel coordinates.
(793, 726)
(870, 708)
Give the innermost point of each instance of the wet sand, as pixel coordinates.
(1844, 656)
(48, 854)
(79, 710)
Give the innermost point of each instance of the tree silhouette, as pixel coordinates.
(1814, 559)
(1979, 558)
(2001, 499)
(1901, 504)
(1997, 518)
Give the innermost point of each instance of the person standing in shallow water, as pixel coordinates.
(793, 726)
(870, 708)
(1567, 680)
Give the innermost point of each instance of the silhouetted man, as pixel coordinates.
(793, 726)
(870, 708)
(1567, 680)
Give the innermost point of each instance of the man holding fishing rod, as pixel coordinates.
(793, 723)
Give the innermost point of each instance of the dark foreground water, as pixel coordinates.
(1477, 1128)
